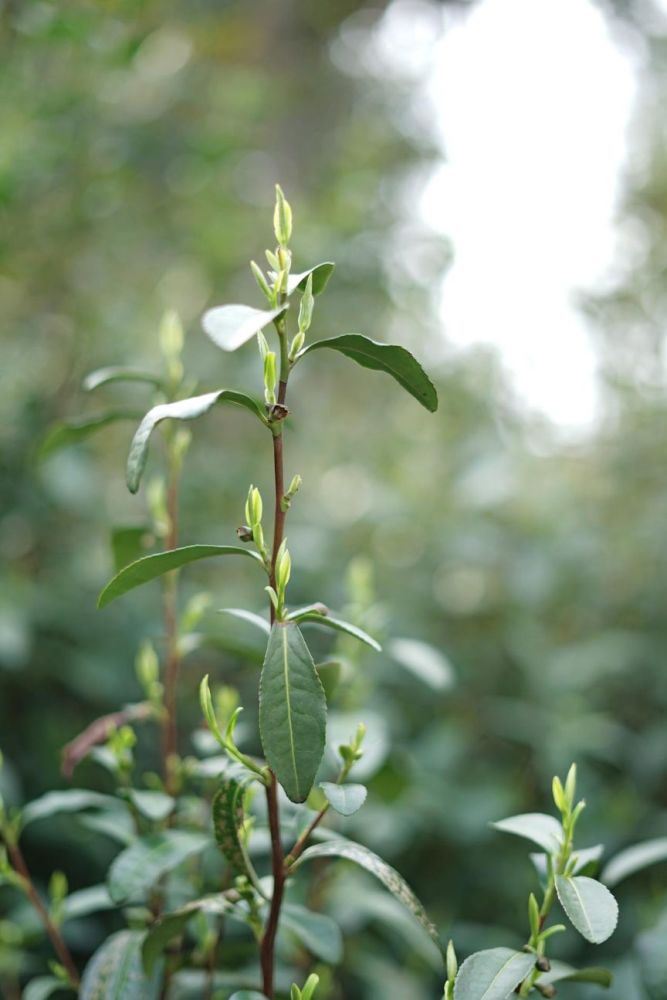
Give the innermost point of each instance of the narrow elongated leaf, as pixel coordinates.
(561, 971)
(68, 800)
(93, 899)
(541, 828)
(173, 924)
(183, 409)
(389, 877)
(389, 358)
(319, 934)
(73, 431)
(592, 909)
(143, 863)
(492, 975)
(292, 711)
(345, 799)
(633, 859)
(321, 274)
(115, 971)
(44, 987)
(155, 806)
(327, 621)
(150, 567)
(231, 326)
(228, 818)
(117, 373)
(248, 616)
(424, 661)
(129, 544)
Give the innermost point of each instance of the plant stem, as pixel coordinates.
(57, 940)
(173, 659)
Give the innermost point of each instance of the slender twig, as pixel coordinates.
(305, 837)
(57, 940)
(173, 659)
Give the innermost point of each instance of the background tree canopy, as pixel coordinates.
(140, 145)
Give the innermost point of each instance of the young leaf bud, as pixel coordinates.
(263, 344)
(291, 490)
(571, 785)
(207, 709)
(533, 916)
(296, 345)
(171, 335)
(147, 665)
(273, 262)
(295, 992)
(156, 498)
(543, 964)
(261, 280)
(253, 507)
(306, 306)
(559, 794)
(310, 986)
(270, 377)
(272, 596)
(244, 533)
(283, 568)
(452, 964)
(282, 218)
(57, 887)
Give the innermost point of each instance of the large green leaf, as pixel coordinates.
(318, 933)
(292, 711)
(143, 863)
(321, 274)
(231, 326)
(115, 971)
(541, 828)
(117, 373)
(389, 877)
(492, 974)
(389, 358)
(183, 409)
(561, 971)
(67, 800)
(633, 859)
(78, 429)
(345, 799)
(150, 567)
(312, 616)
(592, 909)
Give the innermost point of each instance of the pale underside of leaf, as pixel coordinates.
(590, 906)
(492, 975)
(232, 325)
(345, 799)
(313, 617)
(542, 829)
(633, 859)
(117, 373)
(321, 274)
(115, 971)
(248, 616)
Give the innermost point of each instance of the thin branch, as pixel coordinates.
(173, 660)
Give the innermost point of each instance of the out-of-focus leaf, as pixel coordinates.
(117, 373)
(650, 947)
(542, 829)
(492, 974)
(633, 859)
(592, 909)
(228, 818)
(78, 429)
(248, 616)
(248, 995)
(44, 987)
(389, 877)
(143, 863)
(345, 799)
(303, 616)
(321, 274)
(171, 925)
(68, 800)
(231, 326)
(115, 971)
(292, 711)
(562, 971)
(183, 409)
(389, 358)
(93, 899)
(585, 860)
(155, 565)
(129, 544)
(155, 806)
(318, 933)
(424, 661)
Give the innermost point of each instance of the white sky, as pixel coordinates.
(533, 99)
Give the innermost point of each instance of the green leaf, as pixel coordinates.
(633, 859)
(592, 909)
(93, 899)
(541, 828)
(143, 863)
(129, 544)
(492, 975)
(321, 274)
(155, 806)
(319, 934)
(68, 800)
(231, 326)
(424, 661)
(116, 373)
(561, 971)
(345, 799)
(228, 818)
(183, 409)
(150, 567)
(43, 987)
(389, 358)
(171, 925)
(115, 971)
(303, 616)
(389, 877)
(652, 958)
(248, 616)
(248, 995)
(292, 711)
(78, 429)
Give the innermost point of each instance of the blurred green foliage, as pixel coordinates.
(140, 144)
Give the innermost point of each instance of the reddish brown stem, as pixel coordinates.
(304, 838)
(60, 948)
(173, 659)
(267, 953)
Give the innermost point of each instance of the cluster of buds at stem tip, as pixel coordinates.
(292, 489)
(452, 970)
(226, 739)
(281, 572)
(147, 668)
(252, 529)
(564, 796)
(305, 319)
(351, 752)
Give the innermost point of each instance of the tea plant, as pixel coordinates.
(177, 828)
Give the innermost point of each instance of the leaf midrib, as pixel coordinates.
(290, 729)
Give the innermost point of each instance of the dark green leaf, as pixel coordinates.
(389, 358)
(153, 566)
(292, 711)
(492, 974)
(115, 971)
(319, 934)
(633, 859)
(116, 373)
(231, 326)
(183, 409)
(561, 971)
(143, 863)
(321, 274)
(129, 544)
(345, 799)
(73, 431)
(329, 672)
(541, 828)
(389, 877)
(592, 909)
(304, 616)
(68, 800)
(171, 925)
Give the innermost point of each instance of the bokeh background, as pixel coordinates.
(518, 532)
